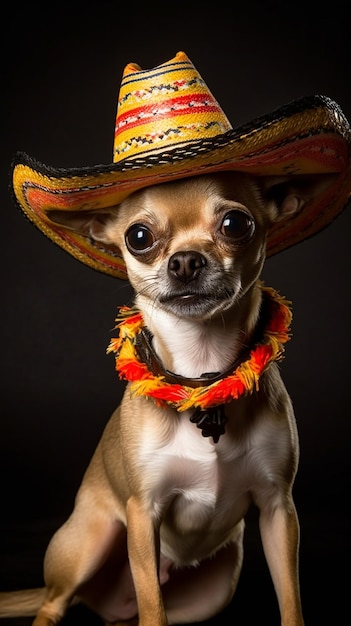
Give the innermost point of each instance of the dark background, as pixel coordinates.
(61, 72)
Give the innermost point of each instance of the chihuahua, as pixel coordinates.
(156, 535)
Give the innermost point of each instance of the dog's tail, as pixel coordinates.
(24, 603)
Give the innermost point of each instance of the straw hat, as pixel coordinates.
(169, 126)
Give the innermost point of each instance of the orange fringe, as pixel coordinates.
(244, 380)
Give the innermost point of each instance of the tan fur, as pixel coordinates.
(157, 528)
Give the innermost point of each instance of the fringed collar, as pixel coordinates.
(137, 362)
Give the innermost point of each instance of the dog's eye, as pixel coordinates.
(139, 238)
(237, 225)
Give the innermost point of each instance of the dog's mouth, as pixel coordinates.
(197, 304)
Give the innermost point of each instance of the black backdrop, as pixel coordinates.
(61, 71)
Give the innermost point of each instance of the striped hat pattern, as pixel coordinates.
(167, 107)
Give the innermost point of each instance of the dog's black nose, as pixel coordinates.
(186, 266)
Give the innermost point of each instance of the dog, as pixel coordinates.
(156, 535)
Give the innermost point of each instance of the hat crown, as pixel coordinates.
(163, 108)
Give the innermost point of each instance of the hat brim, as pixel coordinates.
(308, 136)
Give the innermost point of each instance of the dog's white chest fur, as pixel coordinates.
(186, 485)
(186, 466)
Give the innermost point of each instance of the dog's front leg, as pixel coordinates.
(280, 537)
(143, 550)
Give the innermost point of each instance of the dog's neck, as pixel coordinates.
(253, 337)
(192, 348)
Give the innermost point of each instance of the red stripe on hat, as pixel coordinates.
(183, 105)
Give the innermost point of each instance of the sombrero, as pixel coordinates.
(169, 126)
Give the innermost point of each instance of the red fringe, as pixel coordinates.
(244, 380)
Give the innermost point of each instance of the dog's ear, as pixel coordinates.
(285, 196)
(87, 223)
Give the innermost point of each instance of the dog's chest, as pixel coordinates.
(189, 477)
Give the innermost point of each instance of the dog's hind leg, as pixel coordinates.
(75, 554)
